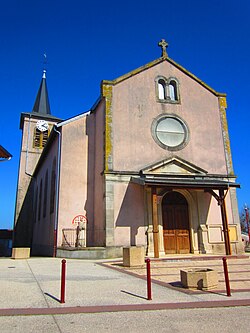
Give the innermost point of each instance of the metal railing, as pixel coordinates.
(73, 237)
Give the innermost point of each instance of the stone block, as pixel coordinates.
(20, 252)
(199, 278)
(133, 256)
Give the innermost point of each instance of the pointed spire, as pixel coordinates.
(41, 105)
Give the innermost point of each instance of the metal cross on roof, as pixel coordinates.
(45, 62)
(163, 44)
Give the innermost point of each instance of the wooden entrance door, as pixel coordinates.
(175, 223)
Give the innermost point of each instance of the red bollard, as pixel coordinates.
(148, 279)
(226, 276)
(63, 281)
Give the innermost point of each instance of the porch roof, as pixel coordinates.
(194, 182)
(4, 154)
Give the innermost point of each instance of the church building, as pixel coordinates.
(149, 165)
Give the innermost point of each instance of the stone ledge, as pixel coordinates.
(90, 252)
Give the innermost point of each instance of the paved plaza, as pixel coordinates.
(166, 271)
(103, 296)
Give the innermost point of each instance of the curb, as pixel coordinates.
(122, 308)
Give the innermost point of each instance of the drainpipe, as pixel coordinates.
(57, 191)
(31, 177)
(27, 150)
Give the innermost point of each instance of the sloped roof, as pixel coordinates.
(41, 105)
(41, 108)
(4, 154)
(155, 62)
(185, 182)
(71, 119)
(38, 116)
(173, 164)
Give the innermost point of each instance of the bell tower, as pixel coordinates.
(36, 127)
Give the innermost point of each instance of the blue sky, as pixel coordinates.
(87, 41)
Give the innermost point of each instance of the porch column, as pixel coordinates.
(155, 223)
(224, 222)
(221, 202)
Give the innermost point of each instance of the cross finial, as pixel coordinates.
(163, 44)
(44, 65)
(45, 58)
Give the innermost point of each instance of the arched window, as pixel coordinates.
(161, 89)
(53, 187)
(45, 194)
(167, 90)
(173, 90)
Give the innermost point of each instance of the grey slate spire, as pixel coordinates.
(41, 105)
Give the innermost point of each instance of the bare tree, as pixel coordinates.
(244, 218)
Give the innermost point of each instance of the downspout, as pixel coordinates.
(57, 191)
(30, 182)
(27, 149)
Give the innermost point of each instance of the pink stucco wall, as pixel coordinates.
(81, 187)
(128, 216)
(73, 173)
(135, 106)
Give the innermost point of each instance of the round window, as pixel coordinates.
(170, 132)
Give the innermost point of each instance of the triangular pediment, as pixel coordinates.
(155, 63)
(174, 165)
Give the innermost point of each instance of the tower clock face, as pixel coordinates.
(42, 125)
